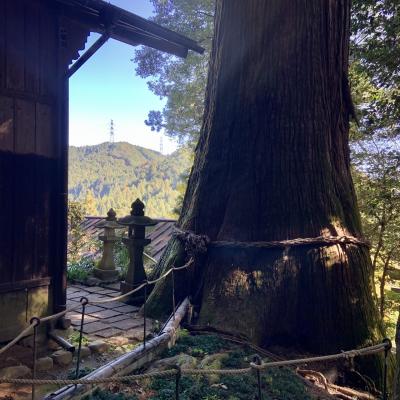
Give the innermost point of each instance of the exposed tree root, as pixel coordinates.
(197, 329)
(339, 392)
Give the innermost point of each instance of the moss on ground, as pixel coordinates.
(277, 383)
(100, 394)
(197, 346)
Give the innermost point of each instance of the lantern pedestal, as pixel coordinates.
(135, 243)
(106, 269)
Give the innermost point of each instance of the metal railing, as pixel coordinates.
(257, 366)
(84, 301)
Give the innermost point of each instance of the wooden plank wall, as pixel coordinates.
(29, 141)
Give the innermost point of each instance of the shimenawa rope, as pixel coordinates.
(192, 240)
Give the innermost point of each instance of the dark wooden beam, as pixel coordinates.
(137, 38)
(25, 284)
(88, 53)
(129, 28)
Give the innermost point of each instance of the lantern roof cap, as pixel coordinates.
(137, 216)
(110, 222)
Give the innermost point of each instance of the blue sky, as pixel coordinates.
(106, 88)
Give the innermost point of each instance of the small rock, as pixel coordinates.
(98, 346)
(183, 360)
(119, 340)
(85, 352)
(213, 361)
(219, 385)
(62, 357)
(18, 371)
(92, 281)
(53, 345)
(44, 364)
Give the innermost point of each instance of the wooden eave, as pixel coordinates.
(104, 18)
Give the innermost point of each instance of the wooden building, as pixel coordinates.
(39, 39)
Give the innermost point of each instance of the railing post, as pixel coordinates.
(258, 361)
(36, 321)
(388, 346)
(173, 293)
(84, 302)
(144, 314)
(177, 381)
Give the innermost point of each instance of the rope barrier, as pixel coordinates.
(60, 314)
(185, 266)
(194, 245)
(379, 348)
(254, 367)
(22, 334)
(111, 299)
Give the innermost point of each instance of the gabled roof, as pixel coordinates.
(122, 25)
(160, 234)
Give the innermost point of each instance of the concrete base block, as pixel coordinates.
(19, 306)
(44, 364)
(62, 357)
(107, 275)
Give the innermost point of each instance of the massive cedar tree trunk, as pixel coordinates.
(272, 163)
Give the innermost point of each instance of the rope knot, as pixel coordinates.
(194, 244)
(256, 367)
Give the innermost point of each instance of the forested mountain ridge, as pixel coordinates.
(115, 174)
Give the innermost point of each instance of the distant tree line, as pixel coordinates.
(113, 175)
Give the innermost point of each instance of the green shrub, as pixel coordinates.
(82, 372)
(80, 270)
(277, 383)
(121, 257)
(73, 338)
(197, 345)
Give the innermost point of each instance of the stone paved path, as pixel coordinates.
(106, 320)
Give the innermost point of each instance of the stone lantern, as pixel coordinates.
(135, 242)
(106, 269)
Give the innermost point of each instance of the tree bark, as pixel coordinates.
(382, 229)
(396, 385)
(272, 163)
(382, 285)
